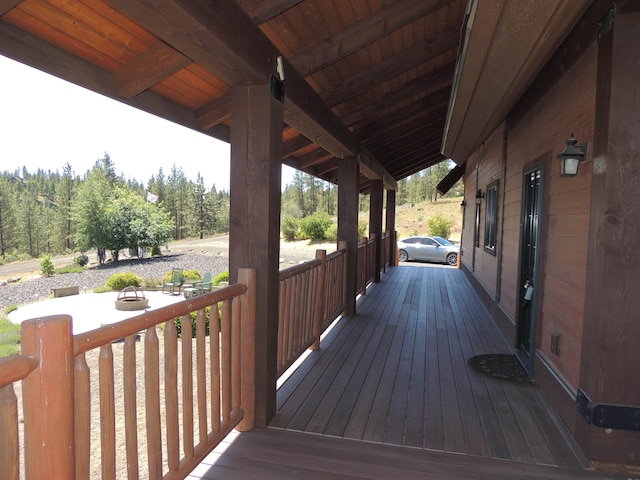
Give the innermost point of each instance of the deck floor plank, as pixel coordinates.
(396, 373)
(286, 455)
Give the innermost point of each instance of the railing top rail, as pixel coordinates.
(337, 253)
(101, 336)
(298, 269)
(16, 367)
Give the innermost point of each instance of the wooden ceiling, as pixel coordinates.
(365, 79)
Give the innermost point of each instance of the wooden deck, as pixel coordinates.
(396, 375)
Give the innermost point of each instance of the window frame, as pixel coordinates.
(491, 218)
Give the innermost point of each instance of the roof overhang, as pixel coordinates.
(505, 44)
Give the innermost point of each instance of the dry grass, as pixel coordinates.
(411, 219)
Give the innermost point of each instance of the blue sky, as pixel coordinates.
(47, 122)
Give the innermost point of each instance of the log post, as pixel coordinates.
(48, 398)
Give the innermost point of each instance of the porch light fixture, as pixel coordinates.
(479, 197)
(571, 157)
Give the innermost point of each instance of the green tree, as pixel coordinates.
(64, 196)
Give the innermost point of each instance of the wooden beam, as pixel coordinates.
(215, 112)
(264, 10)
(207, 32)
(145, 70)
(420, 109)
(25, 48)
(293, 145)
(393, 67)
(359, 35)
(348, 226)
(313, 158)
(426, 85)
(6, 5)
(376, 201)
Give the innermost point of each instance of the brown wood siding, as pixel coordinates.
(541, 128)
(566, 108)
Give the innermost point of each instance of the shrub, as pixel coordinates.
(221, 277)
(314, 226)
(150, 282)
(73, 268)
(118, 281)
(155, 251)
(81, 260)
(178, 323)
(362, 228)
(47, 265)
(290, 227)
(187, 276)
(440, 226)
(9, 338)
(331, 233)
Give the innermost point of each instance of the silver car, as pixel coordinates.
(429, 249)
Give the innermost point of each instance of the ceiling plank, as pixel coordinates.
(363, 33)
(215, 112)
(289, 147)
(393, 67)
(264, 10)
(420, 108)
(145, 70)
(207, 32)
(313, 158)
(438, 80)
(30, 50)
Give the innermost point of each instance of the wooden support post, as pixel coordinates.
(48, 398)
(247, 276)
(254, 223)
(348, 224)
(390, 226)
(375, 223)
(319, 313)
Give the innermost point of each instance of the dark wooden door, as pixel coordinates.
(529, 266)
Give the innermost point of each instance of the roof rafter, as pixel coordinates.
(206, 32)
(393, 67)
(361, 34)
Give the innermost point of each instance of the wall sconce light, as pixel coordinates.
(479, 197)
(571, 157)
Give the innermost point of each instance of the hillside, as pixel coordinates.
(411, 219)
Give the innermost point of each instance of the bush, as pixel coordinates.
(47, 265)
(314, 226)
(73, 268)
(155, 251)
(178, 323)
(362, 228)
(221, 277)
(440, 226)
(150, 282)
(118, 281)
(290, 227)
(187, 276)
(331, 233)
(81, 260)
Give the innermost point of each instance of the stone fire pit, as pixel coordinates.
(130, 299)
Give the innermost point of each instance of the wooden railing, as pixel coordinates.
(312, 295)
(366, 269)
(83, 396)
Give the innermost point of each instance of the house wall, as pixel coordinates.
(535, 134)
(588, 270)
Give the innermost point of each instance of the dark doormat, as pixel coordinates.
(500, 366)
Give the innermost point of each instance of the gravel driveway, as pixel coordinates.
(196, 255)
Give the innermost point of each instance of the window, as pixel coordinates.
(491, 219)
